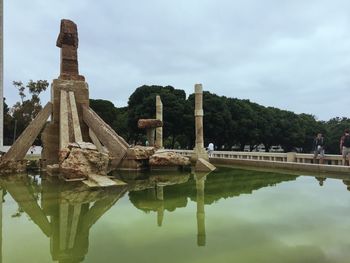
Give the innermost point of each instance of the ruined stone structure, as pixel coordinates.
(150, 126)
(68, 42)
(199, 150)
(72, 120)
(159, 116)
(77, 143)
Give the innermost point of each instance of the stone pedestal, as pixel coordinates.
(199, 150)
(51, 135)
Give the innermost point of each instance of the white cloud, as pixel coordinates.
(289, 54)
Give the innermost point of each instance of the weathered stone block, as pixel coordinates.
(80, 160)
(149, 123)
(168, 159)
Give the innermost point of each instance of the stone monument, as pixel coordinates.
(150, 125)
(74, 138)
(159, 116)
(199, 150)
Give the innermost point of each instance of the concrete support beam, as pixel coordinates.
(96, 141)
(20, 148)
(64, 117)
(75, 118)
(116, 145)
(159, 116)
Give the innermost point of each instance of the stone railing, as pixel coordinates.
(329, 159)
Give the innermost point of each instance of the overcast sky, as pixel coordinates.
(293, 55)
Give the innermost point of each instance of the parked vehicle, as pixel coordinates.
(277, 149)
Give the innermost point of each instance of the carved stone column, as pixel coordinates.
(199, 150)
(159, 116)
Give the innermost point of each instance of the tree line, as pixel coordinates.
(229, 123)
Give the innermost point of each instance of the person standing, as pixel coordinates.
(210, 149)
(345, 146)
(319, 147)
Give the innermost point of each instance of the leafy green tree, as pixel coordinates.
(24, 111)
(335, 129)
(142, 104)
(115, 117)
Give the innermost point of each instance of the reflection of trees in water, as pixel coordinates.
(204, 189)
(224, 183)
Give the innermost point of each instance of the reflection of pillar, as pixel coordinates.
(160, 215)
(160, 210)
(159, 116)
(201, 238)
(160, 192)
(199, 151)
(320, 180)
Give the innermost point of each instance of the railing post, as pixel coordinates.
(291, 157)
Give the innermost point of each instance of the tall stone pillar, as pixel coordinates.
(199, 150)
(159, 116)
(1, 74)
(201, 236)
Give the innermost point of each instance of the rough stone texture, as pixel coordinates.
(50, 136)
(159, 116)
(53, 169)
(11, 167)
(20, 148)
(133, 165)
(168, 159)
(137, 158)
(203, 165)
(68, 42)
(140, 152)
(79, 160)
(199, 150)
(149, 123)
(116, 145)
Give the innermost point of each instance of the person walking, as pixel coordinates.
(319, 148)
(345, 147)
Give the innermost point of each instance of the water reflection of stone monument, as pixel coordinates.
(156, 196)
(200, 185)
(65, 214)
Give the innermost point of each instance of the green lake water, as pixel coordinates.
(230, 215)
